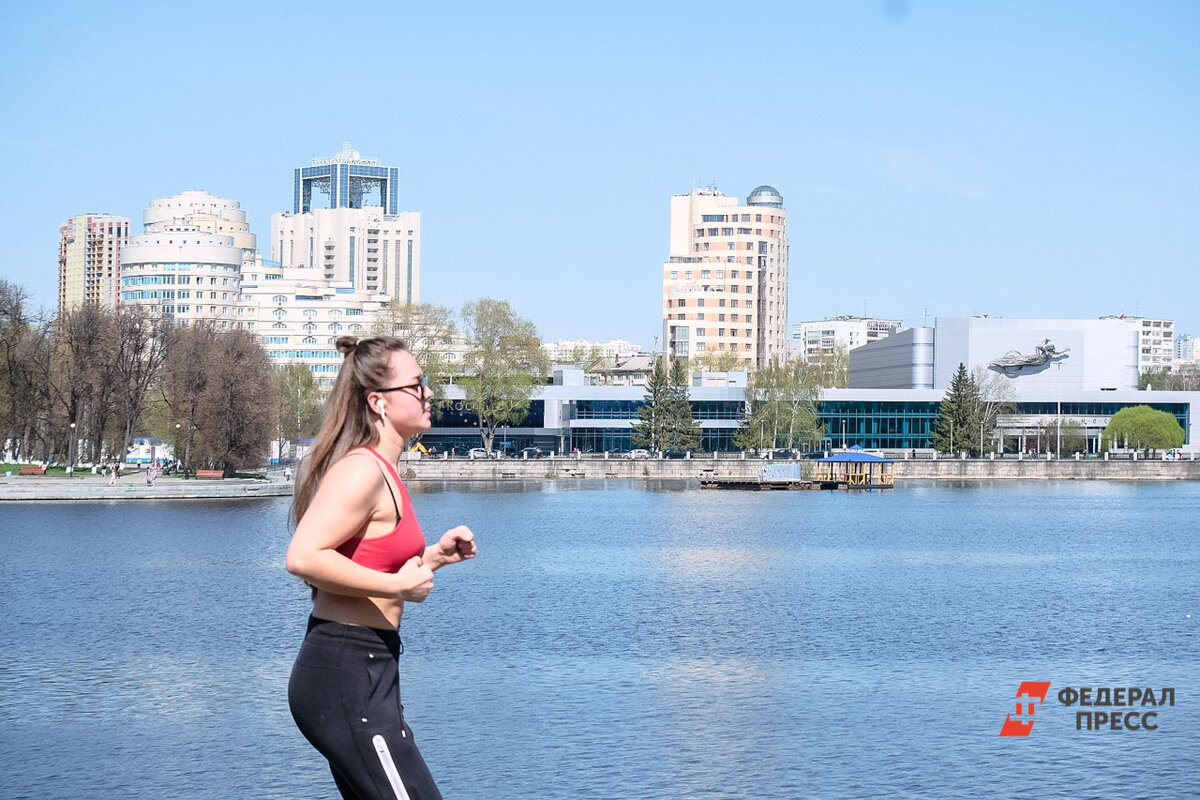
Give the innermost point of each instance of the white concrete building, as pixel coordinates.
(614, 349)
(816, 338)
(362, 239)
(1156, 341)
(725, 279)
(187, 265)
(299, 317)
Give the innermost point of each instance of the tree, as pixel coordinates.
(82, 378)
(996, 397)
(505, 365)
(185, 380)
(141, 349)
(1067, 436)
(665, 418)
(650, 429)
(592, 361)
(234, 430)
(1142, 428)
(1184, 378)
(782, 407)
(297, 404)
(833, 367)
(428, 332)
(716, 361)
(681, 432)
(959, 415)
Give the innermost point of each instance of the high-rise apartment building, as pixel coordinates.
(725, 280)
(89, 260)
(362, 238)
(818, 338)
(1156, 341)
(187, 265)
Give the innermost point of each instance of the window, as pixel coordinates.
(682, 302)
(727, 231)
(674, 275)
(720, 331)
(699, 316)
(712, 231)
(700, 331)
(704, 273)
(734, 318)
(700, 302)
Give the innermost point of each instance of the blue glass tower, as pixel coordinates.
(347, 179)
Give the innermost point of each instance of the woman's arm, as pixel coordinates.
(342, 507)
(456, 544)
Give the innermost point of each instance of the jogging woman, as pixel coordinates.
(358, 544)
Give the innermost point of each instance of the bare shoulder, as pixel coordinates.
(354, 477)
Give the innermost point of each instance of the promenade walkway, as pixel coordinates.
(132, 486)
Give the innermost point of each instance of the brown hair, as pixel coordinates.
(348, 423)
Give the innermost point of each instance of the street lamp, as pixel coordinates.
(981, 438)
(71, 452)
(1058, 445)
(843, 434)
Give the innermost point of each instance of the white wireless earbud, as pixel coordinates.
(381, 407)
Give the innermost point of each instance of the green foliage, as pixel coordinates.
(297, 404)
(429, 332)
(959, 415)
(1065, 439)
(504, 365)
(833, 368)
(1183, 378)
(782, 407)
(665, 416)
(1142, 428)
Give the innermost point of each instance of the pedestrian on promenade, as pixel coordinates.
(358, 544)
(114, 473)
(287, 474)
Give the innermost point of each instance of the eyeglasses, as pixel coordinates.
(422, 384)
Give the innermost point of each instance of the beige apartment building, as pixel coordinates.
(89, 260)
(725, 280)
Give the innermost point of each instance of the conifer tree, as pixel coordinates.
(682, 432)
(650, 429)
(959, 415)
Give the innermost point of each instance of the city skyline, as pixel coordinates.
(1037, 161)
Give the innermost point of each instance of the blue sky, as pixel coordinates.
(1020, 159)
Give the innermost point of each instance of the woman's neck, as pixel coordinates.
(390, 445)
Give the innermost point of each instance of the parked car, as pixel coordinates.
(639, 453)
(782, 453)
(534, 452)
(671, 452)
(480, 453)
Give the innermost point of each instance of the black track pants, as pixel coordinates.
(345, 697)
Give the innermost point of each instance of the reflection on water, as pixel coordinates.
(620, 638)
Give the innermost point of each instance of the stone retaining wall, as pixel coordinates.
(747, 469)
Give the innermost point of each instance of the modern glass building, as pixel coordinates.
(349, 180)
(598, 419)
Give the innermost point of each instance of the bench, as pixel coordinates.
(32, 470)
(210, 473)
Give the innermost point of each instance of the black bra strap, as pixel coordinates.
(388, 484)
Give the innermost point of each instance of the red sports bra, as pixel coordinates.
(389, 552)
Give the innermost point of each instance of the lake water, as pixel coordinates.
(618, 639)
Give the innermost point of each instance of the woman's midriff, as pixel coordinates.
(370, 612)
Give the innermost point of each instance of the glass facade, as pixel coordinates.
(871, 424)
